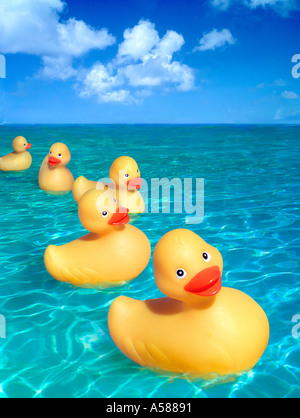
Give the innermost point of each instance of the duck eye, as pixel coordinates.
(180, 273)
(24, 145)
(105, 214)
(206, 256)
(59, 155)
(50, 153)
(138, 171)
(126, 175)
(115, 200)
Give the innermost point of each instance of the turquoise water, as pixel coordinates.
(57, 341)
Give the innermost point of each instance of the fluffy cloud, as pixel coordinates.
(101, 82)
(215, 39)
(144, 61)
(281, 6)
(33, 27)
(138, 41)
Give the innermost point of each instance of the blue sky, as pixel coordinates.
(150, 61)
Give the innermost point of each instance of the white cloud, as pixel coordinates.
(138, 41)
(289, 95)
(57, 68)
(144, 61)
(281, 6)
(33, 27)
(100, 82)
(215, 39)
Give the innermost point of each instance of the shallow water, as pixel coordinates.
(57, 341)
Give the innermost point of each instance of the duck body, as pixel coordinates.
(126, 181)
(81, 186)
(127, 198)
(200, 328)
(18, 160)
(226, 337)
(113, 252)
(54, 176)
(96, 260)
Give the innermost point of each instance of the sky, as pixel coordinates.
(150, 61)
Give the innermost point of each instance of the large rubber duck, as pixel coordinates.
(126, 177)
(54, 176)
(200, 328)
(18, 160)
(113, 253)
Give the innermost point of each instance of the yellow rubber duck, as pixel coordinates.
(126, 176)
(18, 160)
(113, 253)
(54, 175)
(200, 328)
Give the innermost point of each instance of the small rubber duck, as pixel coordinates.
(200, 328)
(18, 160)
(113, 253)
(126, 177)
(54, 175)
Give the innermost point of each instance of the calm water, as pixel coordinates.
(58, 342)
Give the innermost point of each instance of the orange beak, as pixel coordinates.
(134, 184)
(53, 161)
(28, 146)
(206, 283)
(121, 217)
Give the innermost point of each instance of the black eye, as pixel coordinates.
(24, 145)
(126, 175)
(206, 257)
(180, 273)
(104, 214)
(59, 155)
(50, 152)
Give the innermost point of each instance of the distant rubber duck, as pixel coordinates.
(113, 253)
(54, 175)
(126, 176)
(18, 160)
(200, 328)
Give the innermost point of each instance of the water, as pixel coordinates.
(58, 344)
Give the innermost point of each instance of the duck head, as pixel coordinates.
(99, 211)
(186, 268)
(20, 144)
(125, 173)
(59, 155)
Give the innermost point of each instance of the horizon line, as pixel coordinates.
(155, 124)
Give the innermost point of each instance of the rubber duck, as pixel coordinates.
(18, 160)
(126, 177)
(54, 175)
(200, 329)
(111, 254)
